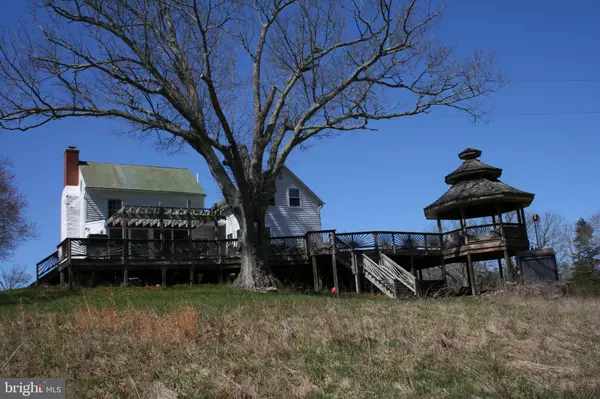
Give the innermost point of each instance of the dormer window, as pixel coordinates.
(294, 197)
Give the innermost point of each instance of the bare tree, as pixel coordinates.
(13, 278)
(14, 227)
(243, 83)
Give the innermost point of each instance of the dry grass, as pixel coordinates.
(219, 343)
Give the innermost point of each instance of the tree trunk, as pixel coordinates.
(255, 273)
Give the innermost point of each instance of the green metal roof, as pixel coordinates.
(137, 177)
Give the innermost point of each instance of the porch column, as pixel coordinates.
(189, 222)
(161, 228)
(164, 276)
(125, 245)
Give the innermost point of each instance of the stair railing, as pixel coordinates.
(399, 273)
(381, 274)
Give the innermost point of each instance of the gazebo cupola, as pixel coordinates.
(476, 192)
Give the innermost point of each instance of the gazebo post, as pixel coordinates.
(470, 274)
(507, 262)
(523, 219)
(442, 259)
(499, 260)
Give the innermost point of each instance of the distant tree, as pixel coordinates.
(14, 226)
(14, 277)
(586, 275)
(244, 83)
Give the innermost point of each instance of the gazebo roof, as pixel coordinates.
(476, 188)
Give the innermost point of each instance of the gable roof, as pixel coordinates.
(139, 178)
(221, 204)
(301, 183)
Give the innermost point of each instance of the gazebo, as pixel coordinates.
(477, 193)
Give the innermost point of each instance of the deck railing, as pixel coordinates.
(391, 240)
(313, 242)
(484, 232)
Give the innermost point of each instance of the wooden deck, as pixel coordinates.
(413, 251)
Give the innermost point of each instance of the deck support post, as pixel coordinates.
(315, 270)
(220, 275)
(70, 271)
(470, 274)
(334, 263)
(500, 269)
(508, 265)
(442, 259)
(356, 270)
(164, 276)
(62, 277)
(192, 274)
(69, 264)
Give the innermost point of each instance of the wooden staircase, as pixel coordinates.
(389, 277)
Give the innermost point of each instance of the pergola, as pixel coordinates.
(161, 217)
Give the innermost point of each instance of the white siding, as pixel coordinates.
(282, 219)
(70, 210)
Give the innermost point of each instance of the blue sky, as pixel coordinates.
(544, 132)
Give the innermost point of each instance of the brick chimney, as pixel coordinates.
(71, 166)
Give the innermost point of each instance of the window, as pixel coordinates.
(267, 231)
(113, 206)
(237, 234)
(230, 236)
(294, 196)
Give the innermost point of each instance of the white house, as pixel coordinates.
(94, 191)
(294, 210)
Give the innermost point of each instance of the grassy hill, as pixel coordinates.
(190, 342)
